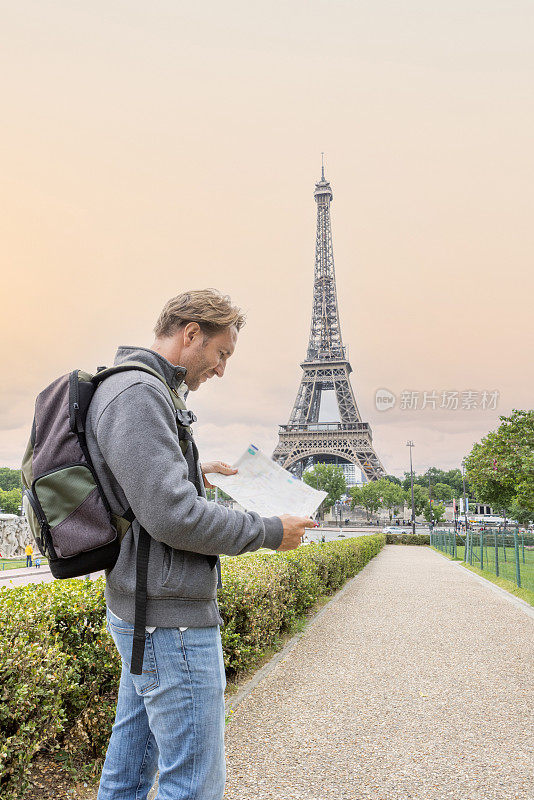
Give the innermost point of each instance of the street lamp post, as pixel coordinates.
(430, 503)
(410, 444)
(467, 542)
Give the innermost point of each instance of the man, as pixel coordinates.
(29, 553)
(171, 717)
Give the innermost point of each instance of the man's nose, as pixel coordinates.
(219, 369)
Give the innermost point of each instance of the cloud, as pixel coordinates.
(12, 447)
(16, 408)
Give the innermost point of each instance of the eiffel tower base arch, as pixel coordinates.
(297, 449)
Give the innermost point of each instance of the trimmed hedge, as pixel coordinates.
(59, 669)
(407, 538)
(57, 666)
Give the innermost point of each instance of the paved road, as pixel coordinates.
(417, 684)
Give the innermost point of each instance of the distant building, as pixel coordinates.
(480, 509)
(353, 475)
(475, 510)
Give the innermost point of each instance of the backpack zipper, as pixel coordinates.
(44, 541)
(74, 398)
(41, 519)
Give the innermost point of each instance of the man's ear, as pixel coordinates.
(191, 331)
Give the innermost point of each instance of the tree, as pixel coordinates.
(10, 501)
(355, 496)
(392, 495)
(210, 494)
(451, 478)
(328, 478)
(392, 479)
(434, 512)
(501, 466)
(515, 511)
(406, 481)
(442, 491)
(420, 498)
(493, 484)
(9, 478)
(367, 496)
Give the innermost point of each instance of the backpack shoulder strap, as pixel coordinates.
(126, 366)
(184, 419)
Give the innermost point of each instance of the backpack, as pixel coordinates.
(67, 510)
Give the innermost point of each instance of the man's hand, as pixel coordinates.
(294, 528)
(216, 466)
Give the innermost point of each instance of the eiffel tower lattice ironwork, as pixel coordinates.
(305, 441)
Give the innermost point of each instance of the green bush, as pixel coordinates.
(59, 669)
(57, 662)
(31, 713)
(407, 538)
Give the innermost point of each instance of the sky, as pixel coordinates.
(150, 148)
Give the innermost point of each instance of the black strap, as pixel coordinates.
(194, 477)
(128, 515)
(184, 435)
(192, 460)
(192, 465)
(138, 646)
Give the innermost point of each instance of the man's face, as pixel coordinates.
(206, 356)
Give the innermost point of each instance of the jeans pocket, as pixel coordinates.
(122, 633)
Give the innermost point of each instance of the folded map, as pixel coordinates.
(264, 486)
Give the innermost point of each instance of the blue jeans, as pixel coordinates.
(169, 718)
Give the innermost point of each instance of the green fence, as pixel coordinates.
(20, 563)
(505, 553)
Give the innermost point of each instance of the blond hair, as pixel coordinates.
(212, 310)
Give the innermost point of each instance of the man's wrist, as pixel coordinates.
(274, 532)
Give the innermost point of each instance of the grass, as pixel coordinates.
(507, 569)
(523, 593)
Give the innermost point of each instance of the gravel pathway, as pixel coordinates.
(417, 683)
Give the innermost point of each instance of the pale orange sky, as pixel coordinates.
(151, 148)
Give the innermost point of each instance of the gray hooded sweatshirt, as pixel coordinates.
(132, 437)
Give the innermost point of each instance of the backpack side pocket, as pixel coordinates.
(69, 500)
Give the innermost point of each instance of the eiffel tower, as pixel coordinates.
(305, 441)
